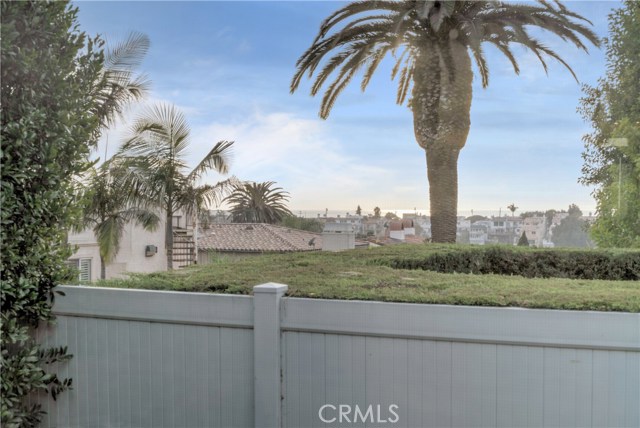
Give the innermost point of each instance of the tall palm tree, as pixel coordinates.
(107, 208)
(120, 84)
(432, 43)
(258, 203)
(155, 155)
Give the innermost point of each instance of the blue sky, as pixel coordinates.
(228, 66)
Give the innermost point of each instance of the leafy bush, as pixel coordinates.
(50, 72)
(623, 266)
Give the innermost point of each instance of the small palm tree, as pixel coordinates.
(107, 208)
(155, 156)
(512, 208)
(258, 203)
(433, 43)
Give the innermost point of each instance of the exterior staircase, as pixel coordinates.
(184, 248)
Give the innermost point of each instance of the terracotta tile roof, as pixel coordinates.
(257, 238)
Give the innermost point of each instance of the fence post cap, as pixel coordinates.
(271, 287)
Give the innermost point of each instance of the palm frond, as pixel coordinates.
(353, 9)
(120, 86)
(160, 135)
(217, 159)
(258, 203)
(376, 59)
(406, 77)
(481, 61)
(370, 33)
(193, 199)
(128, 54)
(507, 52)
(146, 218)
(361, 33)
(108, 234)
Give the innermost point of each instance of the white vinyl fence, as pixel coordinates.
(168, 359)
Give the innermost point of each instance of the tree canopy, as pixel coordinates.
(155, 157)
(612, 149)
(572, 230)
(302, 223)
(258, 203)
(108, 206)
(523, 241)
(51, 112)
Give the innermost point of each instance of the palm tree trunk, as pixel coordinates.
(103, 268)
(442, 172)
(168, 240)
(441, 107)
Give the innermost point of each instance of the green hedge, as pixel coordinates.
(49, 75)
(622, 266)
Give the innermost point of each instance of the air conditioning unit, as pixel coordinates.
(150, 250)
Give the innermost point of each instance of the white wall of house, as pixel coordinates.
(396, 234)
(130, 258)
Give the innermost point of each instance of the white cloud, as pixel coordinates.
(301, 156)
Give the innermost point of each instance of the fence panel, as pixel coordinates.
(446, 366)
(167, 359)
(132, 369)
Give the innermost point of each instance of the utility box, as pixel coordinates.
(150, 250)
(338, 237)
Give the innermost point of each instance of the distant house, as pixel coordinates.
(535, 228)
(374, 227)
(505, 230)
(254, 238)
(402, 231)
(479, 233)
(423, 227)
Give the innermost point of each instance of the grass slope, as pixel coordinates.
(362, 275)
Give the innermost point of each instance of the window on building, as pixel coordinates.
(83, 267)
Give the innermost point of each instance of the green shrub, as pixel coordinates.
(50, 72)
(573, 264)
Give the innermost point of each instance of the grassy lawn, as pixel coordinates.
(365, 275)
